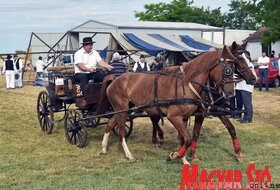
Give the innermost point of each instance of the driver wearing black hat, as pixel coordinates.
(86, 62)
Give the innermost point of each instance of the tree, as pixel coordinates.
(20, 52)
(241, 15)
(180, 11)
(268, 15)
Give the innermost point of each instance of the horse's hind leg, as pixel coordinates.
(157, 132)
(110, 125)
(121, 119)
(235, 142)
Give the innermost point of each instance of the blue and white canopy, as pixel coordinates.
(154, 43)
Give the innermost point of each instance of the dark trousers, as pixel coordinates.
(239, 101)
(232, 105)
(263, 74)
(248, 106)
(83, 79)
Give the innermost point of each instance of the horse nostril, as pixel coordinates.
(253, 80)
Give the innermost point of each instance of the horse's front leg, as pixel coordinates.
(110, 125)
(236, 145)
(177, 122)
(196, 132)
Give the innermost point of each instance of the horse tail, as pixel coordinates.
(104, 102)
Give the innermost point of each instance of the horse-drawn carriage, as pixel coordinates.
(183, 98)
(62, 91)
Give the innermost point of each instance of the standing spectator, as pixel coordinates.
(279, 64)
(39, 68)
(263, 62)
(19, 67)
(244, 98)
(119, 66)
(141, 65)
(272, 53)
(9, 69)
(158, 63)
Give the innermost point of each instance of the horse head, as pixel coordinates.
(244, 68)
(222, 73)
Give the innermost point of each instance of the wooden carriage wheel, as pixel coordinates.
(75, 129)
(45, 112)
(128, 128)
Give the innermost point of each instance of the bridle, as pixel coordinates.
(239, 72)
(227, 71)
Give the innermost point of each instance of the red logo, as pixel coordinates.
(225, 179)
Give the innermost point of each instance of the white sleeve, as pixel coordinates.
(4, 68)
(20, 65)
(135, 66)
(148, 67)
(78, 58)
(98, 57)
(15, 68)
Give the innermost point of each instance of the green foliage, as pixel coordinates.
(181, 11)
(241, 16)
(20, 52)
(269, 14)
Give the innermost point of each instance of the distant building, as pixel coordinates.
(255, 47)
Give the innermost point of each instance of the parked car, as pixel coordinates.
(273, 74)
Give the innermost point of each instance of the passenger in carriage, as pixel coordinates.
(141, 65)
(86, 62)
(119, 66)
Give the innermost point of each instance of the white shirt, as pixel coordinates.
(242, 85)
(142, 66)
(263, 60)
(39, 66)
(90, 60)
(20, 65)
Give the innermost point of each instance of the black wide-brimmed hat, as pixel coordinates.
(87, 40)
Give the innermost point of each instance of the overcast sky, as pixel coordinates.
(18, 18)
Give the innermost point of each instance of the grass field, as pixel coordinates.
(30, 159)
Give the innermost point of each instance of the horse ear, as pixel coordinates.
(233, 46)
(224, 49)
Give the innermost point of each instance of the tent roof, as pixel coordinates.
(153, 25)
(153, 43)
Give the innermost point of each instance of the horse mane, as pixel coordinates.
(204, 60)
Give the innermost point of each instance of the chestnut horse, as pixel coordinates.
(224, 119)
(139, 89)
(248, 74)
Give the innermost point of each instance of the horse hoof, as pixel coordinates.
(172, 156)
(161, 141)
(132, 160)
(102, 153)
(157, 145)
(239, 158)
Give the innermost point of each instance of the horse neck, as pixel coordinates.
(199, 68)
